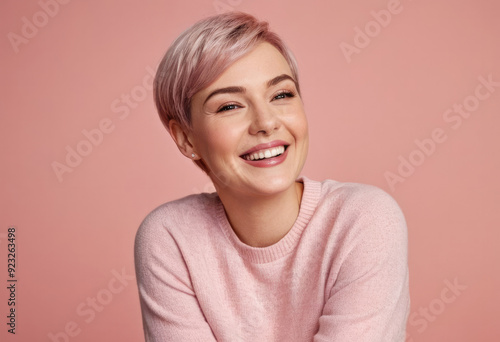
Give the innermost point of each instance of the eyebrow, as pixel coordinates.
(236, 89)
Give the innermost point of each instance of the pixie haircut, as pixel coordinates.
(201, 54)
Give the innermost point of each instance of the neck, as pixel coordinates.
(263, 221)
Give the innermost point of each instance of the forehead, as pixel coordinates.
(261, 64)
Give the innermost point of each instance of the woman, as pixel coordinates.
(271, 256)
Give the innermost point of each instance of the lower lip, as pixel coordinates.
(268, 162)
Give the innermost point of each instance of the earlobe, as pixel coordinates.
(182, 139)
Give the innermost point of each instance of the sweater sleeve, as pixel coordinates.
(369, 297)
(170, 309)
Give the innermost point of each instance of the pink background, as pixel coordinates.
(74, 71)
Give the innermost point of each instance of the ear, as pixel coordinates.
(183, 139)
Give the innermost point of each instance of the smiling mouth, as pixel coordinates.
(266, 153)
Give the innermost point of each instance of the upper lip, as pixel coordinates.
(266, 146)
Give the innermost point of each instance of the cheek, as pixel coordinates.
(304, 126)
(218, 140)
(306, 130)
(300, 126)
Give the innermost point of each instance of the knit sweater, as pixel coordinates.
(339, 275)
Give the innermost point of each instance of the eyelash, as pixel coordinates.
(284, 93)
(225, 108)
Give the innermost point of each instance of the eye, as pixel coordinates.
(283, 94)
(227, 107)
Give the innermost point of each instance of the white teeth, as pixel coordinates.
(264, 154)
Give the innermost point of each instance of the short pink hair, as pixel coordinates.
(201, 54)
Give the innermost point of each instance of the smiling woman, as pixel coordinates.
(271, 255)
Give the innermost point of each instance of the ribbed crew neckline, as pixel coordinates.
(260, 255)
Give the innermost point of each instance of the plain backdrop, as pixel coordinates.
(404, 95)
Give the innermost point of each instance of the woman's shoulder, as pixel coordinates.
(357, 200)
(360, 193)
(360, 213)
(186, 213)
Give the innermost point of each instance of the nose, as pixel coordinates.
(264, 120)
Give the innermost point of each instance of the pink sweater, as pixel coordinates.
(339, 275)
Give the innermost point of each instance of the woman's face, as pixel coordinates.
(249, 126)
